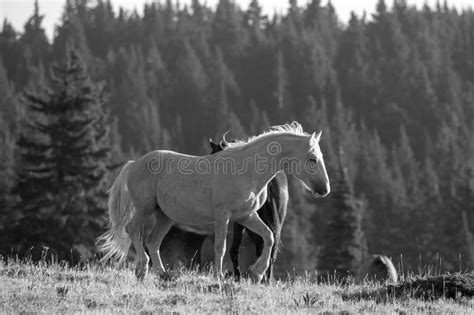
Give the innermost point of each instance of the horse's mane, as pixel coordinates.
(293, 128)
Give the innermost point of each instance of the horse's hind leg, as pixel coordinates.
(144, 206)
(161, 228)
(273, 257)
(135, 230)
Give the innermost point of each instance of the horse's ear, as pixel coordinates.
(316, 137)
(214, 146)
(223, 136)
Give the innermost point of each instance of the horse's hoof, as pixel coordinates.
(237, 276)
(256, 278)
(140, 273)
(165, 276)
(267, 281)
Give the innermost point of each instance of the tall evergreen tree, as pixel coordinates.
(227, 30)
(226, 94)
(7, 143)
(344, 243)
(34, 37)
(14, 56)
(99, 28)
(352, 66)
(138, 113)
(9, 121)
(9, 108)
(281, 101)
(70, 35)
(64, 150)
(192, 78)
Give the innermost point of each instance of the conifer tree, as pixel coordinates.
(99, 28)
(157, 76)
(34, 37)
(14, 55)
(352, 66)
(463, 205)
(192, 78)
(254, 20)
(9, 109)
(344, 244)
(64, 150)
(7, 143)
(281, 95)
(9, 120)
(408, 164)
(227, 29)
(10, 48)
(70, 35)
(134, 108)
(227, 94)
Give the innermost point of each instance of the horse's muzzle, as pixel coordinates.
(321, 191)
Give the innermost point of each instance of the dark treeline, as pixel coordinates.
(393, 94)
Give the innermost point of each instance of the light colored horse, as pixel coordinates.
(227, 186)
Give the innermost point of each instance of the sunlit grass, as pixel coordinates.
(53, 287)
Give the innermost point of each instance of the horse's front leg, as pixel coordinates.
(256, 225)
(235, 248)
(220, 231)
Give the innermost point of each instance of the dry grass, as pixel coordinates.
(54, 288)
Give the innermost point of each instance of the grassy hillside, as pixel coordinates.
(51, 287)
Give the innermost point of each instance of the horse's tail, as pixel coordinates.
(116, 242)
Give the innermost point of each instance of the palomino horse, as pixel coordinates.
(230, 185)
(272, 213)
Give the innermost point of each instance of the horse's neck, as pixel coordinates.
(270, 151)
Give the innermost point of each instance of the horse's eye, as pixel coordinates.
(313, 160)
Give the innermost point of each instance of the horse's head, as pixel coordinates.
(313, 171)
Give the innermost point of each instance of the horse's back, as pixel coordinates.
(156, 178)
(150, 164)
